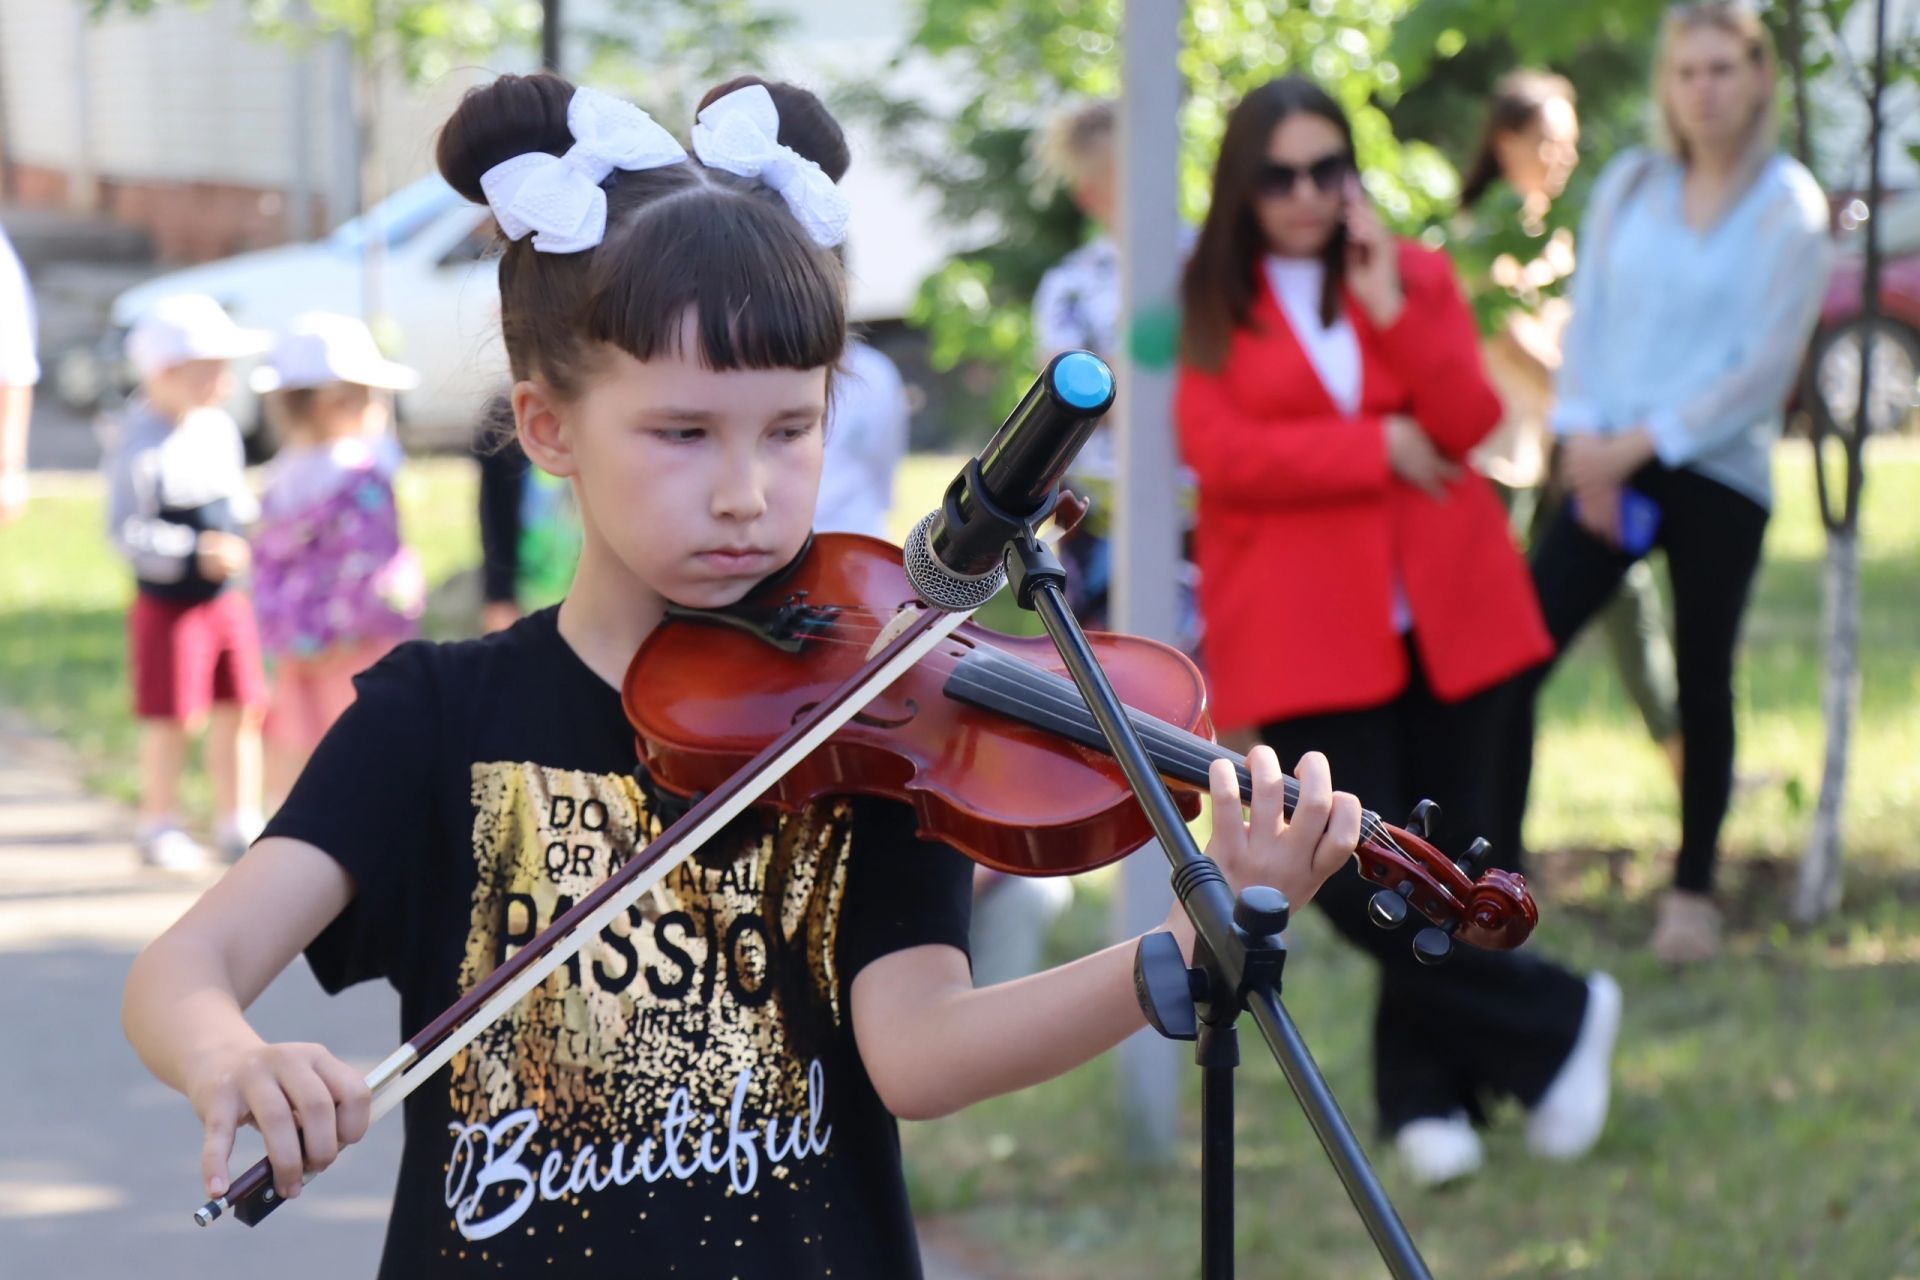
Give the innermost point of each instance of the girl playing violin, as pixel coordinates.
(711, 1086)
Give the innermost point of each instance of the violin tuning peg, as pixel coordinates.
(1431, 946)
(1389, 908)
(1423, 819)
(1474, 860)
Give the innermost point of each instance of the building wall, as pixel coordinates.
(182, 121)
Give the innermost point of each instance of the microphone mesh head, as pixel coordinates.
(940, 586)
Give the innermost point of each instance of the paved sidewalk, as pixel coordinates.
(99, 1164)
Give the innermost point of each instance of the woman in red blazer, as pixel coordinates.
(1362, 595)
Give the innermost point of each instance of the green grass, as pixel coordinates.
(64, 596)
(1766, 1106)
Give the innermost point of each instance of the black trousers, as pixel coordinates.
(1484, 1023)
(1712, 536)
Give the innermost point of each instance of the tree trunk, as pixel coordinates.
(1818, 893)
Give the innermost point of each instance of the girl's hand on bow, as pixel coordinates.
(1260, 845)
(306, 1103)
(1373, 260)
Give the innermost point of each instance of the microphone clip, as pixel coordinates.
(1031, 564)
(1029, 561)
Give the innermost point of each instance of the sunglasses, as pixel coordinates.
(1326, 174)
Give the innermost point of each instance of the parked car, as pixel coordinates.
(433, 290)
(1832, 383)
(431, 285)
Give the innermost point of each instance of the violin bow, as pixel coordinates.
(252, 1197)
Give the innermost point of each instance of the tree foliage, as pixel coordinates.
(426, 38)
(663, 54)
(1006, 65)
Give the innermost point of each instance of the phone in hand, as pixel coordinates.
(1639, 521)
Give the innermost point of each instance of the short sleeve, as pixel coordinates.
(902, 891)
(18, 365)
(366, 799)
(1059, 310)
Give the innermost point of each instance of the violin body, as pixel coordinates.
(704, 696)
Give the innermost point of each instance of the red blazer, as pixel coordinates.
(1302, 527)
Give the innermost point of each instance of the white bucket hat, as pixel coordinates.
(321, 347)
(186, 327)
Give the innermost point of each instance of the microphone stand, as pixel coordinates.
(1238, 950)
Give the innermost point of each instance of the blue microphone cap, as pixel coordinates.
(1083, 380)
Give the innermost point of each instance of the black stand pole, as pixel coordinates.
(1238, 956)
(1217, 1050)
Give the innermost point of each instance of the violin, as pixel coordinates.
(986, 737)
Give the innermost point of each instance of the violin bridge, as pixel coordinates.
(900, 621)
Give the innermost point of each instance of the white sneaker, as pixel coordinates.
(1567, 1120)
(1439, 1150)
(237, 834)
(171, 849)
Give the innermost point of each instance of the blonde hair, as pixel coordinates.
(1738, 20)
(1075, 142)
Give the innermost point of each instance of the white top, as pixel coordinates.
(866, 437)
(18, 365)
(1334, 352)
(1695, 334)
(1333, 349)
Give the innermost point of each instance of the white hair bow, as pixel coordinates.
(740, 133)
(558, 199)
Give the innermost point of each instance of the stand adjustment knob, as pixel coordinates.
(1164, 987)
(1261, 911)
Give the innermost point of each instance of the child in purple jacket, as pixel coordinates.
(333, 585)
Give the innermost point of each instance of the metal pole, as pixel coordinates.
(550, 36)
(83, 191)
(299, 221)
(1218, 1053)
(1146, 531)
(343, 186)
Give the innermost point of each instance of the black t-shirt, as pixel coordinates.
(684, 1097)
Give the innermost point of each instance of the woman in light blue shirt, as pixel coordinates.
(1703, 262)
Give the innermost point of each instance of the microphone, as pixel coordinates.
(954, 556)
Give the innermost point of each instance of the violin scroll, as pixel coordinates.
(1489, 909)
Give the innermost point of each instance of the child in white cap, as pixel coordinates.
(178, 504)
(334, 586)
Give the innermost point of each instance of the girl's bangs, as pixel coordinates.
(763, 294)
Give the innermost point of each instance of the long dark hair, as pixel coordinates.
(679, 236)
(1218, 286)
(1516, 104)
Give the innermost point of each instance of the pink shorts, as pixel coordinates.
(310, 693)
(186, 657)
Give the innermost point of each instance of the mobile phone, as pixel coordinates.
(1639, 521)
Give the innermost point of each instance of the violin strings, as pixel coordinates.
(1176, 745)
(1058, 694)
